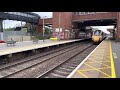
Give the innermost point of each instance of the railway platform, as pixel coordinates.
(100, 63)
(29, 45)
(116, 57)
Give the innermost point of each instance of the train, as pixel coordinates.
(98, 36)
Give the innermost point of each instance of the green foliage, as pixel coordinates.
(9, 29)
(24, 30)
(39, 37)
(47, 31)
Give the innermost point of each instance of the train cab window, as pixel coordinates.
(97, 33)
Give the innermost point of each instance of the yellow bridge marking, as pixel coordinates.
(97, 70)
(78, 71)
(112, 62)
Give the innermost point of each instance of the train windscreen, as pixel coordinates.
(97, 33)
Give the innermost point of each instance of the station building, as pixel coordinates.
(73, 25)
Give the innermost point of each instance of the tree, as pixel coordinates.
(47, 31)
(9, 29)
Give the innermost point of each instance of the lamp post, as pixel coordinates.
(21, 29)
(4, 24)
(59, 25)
(43, 27)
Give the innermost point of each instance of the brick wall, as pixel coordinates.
(97, 16)
(118, 25)
(67, 18)
(65, 22)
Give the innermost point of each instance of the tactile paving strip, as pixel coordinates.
(98, 65)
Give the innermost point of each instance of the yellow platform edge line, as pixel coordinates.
(112, 62)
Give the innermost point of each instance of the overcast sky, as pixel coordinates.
(11, 23)
(43, 14)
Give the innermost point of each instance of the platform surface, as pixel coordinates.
(98, 64)
(28, 45)
(116, 57)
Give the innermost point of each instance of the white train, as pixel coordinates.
(98, 36)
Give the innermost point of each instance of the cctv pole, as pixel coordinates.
(43, 29)
(59, 25)
(21, 29)
(4, 24)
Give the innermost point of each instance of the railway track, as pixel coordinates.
(14, 69)
(66, 67)
(37, 56)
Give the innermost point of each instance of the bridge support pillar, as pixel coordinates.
(1, 25)
(117, 36)
(1, 30)
(114, 32)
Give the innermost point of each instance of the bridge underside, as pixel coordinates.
(105, 22)
(80, 26)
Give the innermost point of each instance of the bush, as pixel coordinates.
(39, 37)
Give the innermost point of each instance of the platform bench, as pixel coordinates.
(35, 41)
(11, 43)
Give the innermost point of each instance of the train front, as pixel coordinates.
(96, 38)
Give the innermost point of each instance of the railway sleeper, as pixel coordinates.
(65, 66)
(72, 65)
(57, 75)
(66, 69)
(61, 72)
(74, 62)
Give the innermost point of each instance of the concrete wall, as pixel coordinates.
(19, 38)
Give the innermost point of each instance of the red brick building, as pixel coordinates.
(72, 23)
